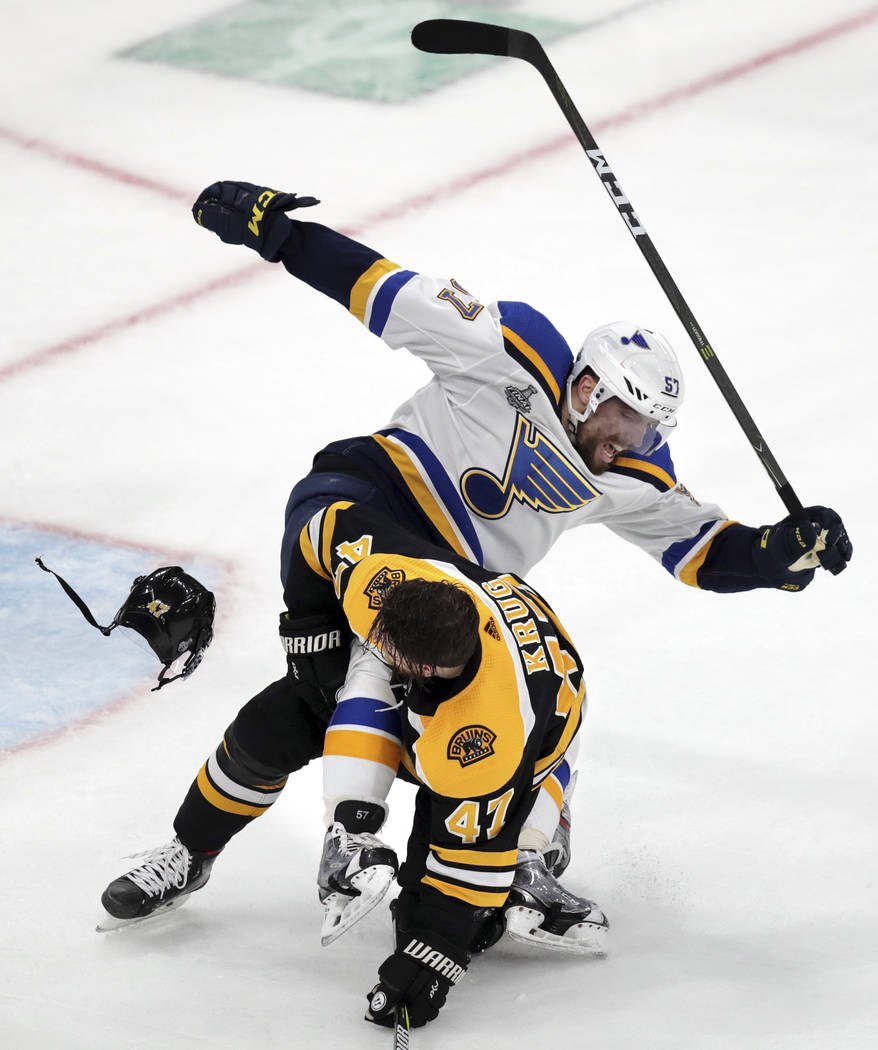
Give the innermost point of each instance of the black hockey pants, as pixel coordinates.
(273, 735)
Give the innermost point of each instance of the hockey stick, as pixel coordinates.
(401, 1029)
(448, 36)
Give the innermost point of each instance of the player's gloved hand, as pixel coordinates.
(786, 554)
(318, 652)
(241, 213)
(419, 975)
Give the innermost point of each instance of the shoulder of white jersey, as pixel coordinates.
(535, 344)
(656, 469)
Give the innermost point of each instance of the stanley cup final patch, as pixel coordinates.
(472, 744)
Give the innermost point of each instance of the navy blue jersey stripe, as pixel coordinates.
(677, 551)
(539, 332)
(444, 486)
(530, 368)
(363, 711)
(384, 299)
(642, 475)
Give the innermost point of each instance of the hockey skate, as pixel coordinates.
(540, 911)
(356, 870)
(164, 881)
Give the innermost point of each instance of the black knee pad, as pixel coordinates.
(275, 733)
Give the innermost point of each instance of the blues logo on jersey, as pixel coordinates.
(537, 474)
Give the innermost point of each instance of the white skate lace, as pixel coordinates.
(163, 868)
(350, 842)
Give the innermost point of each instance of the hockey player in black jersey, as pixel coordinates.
(513, 441)
(482, 704)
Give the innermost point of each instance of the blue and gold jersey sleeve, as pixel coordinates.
(656, 470)
(356, 276)
(726, 564)
(664, 518)
(534, 343)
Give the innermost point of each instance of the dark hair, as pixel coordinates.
(427, 623)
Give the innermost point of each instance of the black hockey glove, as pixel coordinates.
(318, 651)
(241, 213)
(419, 975)
(786, 554)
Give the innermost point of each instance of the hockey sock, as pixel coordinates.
(225, 797)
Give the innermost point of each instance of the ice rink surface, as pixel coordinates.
(161, 392)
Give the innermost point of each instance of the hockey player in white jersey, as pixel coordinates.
(511, 443)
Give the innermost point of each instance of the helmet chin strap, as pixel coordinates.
(78, 602)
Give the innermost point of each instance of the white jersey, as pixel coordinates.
(482, 448)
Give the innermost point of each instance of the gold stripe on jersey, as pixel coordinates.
(309, 554)
(477, 898)
(352, 743)
(327, 528)
(365, 284)
(554, 790)
(689, 572)
(221, 802)
(423, 496)
(476, 857)
(645, 467)
(571, 725)
(535, 360)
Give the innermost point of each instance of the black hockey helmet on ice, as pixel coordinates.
(174, 613)
(170, 609)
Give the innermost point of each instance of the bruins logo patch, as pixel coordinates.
(380, 584)
(472, 744)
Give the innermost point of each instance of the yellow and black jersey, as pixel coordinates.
(483, 742)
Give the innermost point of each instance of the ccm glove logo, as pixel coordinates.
(256, 215)
(433, 958)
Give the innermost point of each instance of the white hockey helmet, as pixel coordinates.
(639, 367)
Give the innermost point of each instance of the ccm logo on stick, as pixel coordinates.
(611, 185)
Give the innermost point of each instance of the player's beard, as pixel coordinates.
(595, 450)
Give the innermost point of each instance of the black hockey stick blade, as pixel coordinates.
(453, 36)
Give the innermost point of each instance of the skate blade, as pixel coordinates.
(109, 923)
(585, 938)
(341, 911)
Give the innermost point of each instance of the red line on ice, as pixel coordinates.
(632, 113)
(168, 557)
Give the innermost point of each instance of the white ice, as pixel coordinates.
(726, 812)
